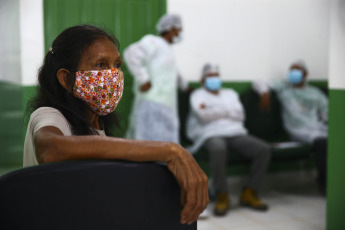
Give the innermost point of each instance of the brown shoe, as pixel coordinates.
(251, 200)
(222, 204)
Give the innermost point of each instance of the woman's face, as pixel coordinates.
(101, 54)
(101, 90)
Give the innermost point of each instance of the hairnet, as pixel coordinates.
(169, 21)
(300, 63)
(209, 68)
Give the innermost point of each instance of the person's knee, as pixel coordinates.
(264, 151)
(218, 151)
(215, 144)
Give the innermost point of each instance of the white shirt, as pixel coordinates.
(222, 115)
(304, 110)
(41, 117)
(152, 59)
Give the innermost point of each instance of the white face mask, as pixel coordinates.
(178, 38)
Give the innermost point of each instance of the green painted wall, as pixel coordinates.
(336, 161)
(241, 86)
(11, 123)
(128, 20)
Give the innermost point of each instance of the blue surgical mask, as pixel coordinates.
(295, 76)
(213, 83)
(178, 38)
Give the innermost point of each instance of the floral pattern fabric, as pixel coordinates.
(100, 89)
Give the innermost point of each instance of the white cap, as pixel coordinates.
(209, 68)
(169, 21)
(300, 63)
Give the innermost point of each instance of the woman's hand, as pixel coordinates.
(193, 183)
(52, 146)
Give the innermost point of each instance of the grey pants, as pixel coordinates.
(248, 146)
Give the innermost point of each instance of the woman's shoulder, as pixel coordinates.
(48, 116)
(46, 111)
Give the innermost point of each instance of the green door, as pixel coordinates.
(128, 20)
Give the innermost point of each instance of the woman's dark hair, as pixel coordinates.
(66, 52)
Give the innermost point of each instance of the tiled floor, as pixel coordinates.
(294, 201)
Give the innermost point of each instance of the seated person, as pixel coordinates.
(304, 112)
(216, 122)
(79, 87)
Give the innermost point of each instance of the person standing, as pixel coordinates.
(152, 63)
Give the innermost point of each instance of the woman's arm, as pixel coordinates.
(52, 146)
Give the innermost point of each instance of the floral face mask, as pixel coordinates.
(100, 89)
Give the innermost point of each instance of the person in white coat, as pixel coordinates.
(216, 122)
(152, 63)
(304, 112)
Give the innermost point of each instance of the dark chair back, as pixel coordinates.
(92, 194)
(267, 125)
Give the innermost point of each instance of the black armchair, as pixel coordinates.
(92, 194)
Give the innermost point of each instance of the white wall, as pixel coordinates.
(32, 39)
(10, 69)
(337, 45)
(253, 39)
(249, 39)
(21, 36)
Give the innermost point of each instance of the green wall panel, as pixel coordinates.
(128, 20)
(27, 92)
(241, 86)
(11, 123)
(336, 160)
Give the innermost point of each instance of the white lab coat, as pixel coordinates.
(304, 110)
(152, 59)
(223, 115)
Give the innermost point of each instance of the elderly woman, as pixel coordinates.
(80, 85)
